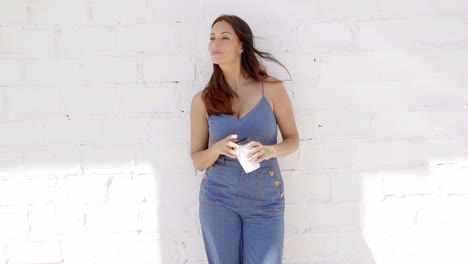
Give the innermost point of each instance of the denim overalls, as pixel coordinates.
(242, 214)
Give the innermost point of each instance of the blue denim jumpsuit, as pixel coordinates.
(242, 214)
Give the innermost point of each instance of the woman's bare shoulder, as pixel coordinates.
(197, 103)
(274, 88)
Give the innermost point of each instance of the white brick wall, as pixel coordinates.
(94, 128)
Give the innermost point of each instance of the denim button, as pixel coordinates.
(281, 194)
(271, 173)
(205, 175)
(277, 183)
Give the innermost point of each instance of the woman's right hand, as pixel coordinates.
(226, 146)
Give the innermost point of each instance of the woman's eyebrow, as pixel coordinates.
(222, 33)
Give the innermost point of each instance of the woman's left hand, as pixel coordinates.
(259, 152)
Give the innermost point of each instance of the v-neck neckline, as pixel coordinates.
(239, 119)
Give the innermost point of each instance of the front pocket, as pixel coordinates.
(210, 191)
(270, 189)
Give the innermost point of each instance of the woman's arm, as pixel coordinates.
(286, 122)
(202, 156)
(283, 110)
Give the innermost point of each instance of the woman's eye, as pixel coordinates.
(213, 38)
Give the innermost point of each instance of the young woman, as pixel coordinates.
(241, 214)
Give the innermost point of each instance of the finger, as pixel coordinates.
(253, 144)
(232, 145)
(250, 152)
(230, 153)
(255, 156)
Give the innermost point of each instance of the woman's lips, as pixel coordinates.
(217, 53)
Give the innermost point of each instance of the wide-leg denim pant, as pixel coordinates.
(242, 214)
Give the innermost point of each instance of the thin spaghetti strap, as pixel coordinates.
(263, 90)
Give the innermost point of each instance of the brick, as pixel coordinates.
(71, 132)
(328, 156)
(13, 223)
(142, 251)
(398, 182)
(110, 160)
(27, 102)
(91, 101)
(187, 90)
(451, 63)
(21, 134)
(150, 217)
(111, 131)
(48, 72)
(163, 160)
(90, 248)
(112, 70)
(152, 98)
(395, 95)
(296, 218)
(43, 223)
(134, 190)
(335, 215)
(13, 13)
(428, 245)
(317, 37)
(346, 187)
(86, 40)
(17, 40)
(403, 125)
(21, 191)
(412, 64)
(48, 163)
(360, 9)
(310, 244)
(299, 65)
(354, 247)
(325, 124)
(112, 218)
(418, 8)
(37, 251)
(275, 37)
(421, 33)
(71, 12)
(153, 38)
(118, 12)
(11, 72)
(179, 11)
(180, 130)
(300, 187)
(444, 211)
(175, 194)
(71, 189)
(70, 219)
(296, 12)
(194, 249)
(450, 178)
(390, 154)
(172, 68)
(11, 165)
(289, 162)
(391, 214)
(312, 94)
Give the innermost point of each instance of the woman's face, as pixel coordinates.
(224, 46)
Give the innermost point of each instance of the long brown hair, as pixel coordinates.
(217, 94)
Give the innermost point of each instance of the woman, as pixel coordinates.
(241, 214)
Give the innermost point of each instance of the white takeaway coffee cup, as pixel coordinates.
(246, 164)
